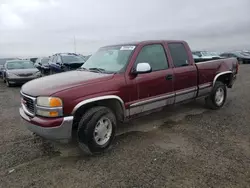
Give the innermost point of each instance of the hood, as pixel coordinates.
(49, 85)
(23, 71)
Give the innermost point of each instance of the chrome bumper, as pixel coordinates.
(61, 133)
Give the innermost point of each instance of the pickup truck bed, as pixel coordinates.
(215, 67)
(117, 83)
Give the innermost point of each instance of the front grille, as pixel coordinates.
(29, 103)
(24, 75)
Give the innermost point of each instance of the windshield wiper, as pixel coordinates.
(97, 70)
(82, 68)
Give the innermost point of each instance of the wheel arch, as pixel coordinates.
(225, 77)
(113, 102)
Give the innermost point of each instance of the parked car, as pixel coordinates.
(118, 83)
(87, 57)
(2, 62)
(42, 65)
(201, 56)
(33, 59)
(242, 57)
(206, 54)
(19, 72)
(62, 62)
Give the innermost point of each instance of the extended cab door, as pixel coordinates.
(154, 89)
(185, 71)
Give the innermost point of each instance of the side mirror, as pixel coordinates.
(142, 68)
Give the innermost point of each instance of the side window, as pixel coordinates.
(179, 54)
(59, 59)
(154, 55)
(53, 59)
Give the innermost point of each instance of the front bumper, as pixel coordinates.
(20, 80)
(58, 129)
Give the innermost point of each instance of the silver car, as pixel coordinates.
(19, 72)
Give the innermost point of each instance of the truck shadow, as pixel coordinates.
(171, 115)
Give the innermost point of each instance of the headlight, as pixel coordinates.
(8, 74)
(49, 107)
(49, 101)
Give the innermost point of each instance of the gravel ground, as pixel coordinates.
(184, 146)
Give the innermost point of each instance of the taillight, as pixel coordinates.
(237, 67)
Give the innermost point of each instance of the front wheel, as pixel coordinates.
(51, 72)
(7, 83)
(96, 130)
(217, 97)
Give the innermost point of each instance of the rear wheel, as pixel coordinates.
(96, 130)
(217, 97)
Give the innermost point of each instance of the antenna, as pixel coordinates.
(75, 43)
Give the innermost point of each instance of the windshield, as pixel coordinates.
(45, 60)
(110, 59)
(214, 53)
(20, 65)
(2, 61)
(207, 53)
(72, 58)
(197, 53)
(195, 56)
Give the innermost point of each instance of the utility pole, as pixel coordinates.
(75, 43)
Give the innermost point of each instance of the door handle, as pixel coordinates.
(169, 77)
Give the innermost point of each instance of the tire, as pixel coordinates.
(7, 83)
(217, 97)
(87, 133)
(51, 72)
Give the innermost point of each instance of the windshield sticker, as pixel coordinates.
(127, 48)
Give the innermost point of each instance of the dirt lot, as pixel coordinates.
(185, 146)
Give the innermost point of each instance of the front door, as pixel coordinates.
(154, 89)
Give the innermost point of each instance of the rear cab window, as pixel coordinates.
(179, 54)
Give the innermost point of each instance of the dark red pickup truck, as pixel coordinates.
(118, 83)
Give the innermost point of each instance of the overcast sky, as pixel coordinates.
(43, 27)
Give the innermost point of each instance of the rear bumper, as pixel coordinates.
(54, 129)
(234, 77)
